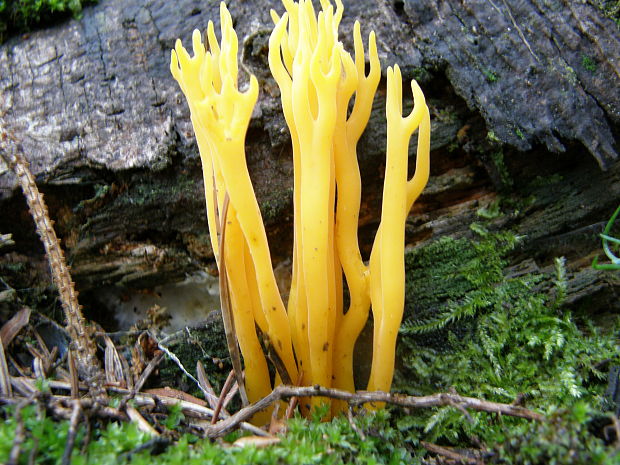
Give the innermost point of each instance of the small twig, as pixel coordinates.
(230, 396)
(139, 420)
(147, 371)
(462, 409)
(290, 409)
(212, 398)
(363, 397)
(445, 452)
(220, 402)
(189, 409)
(354, 427)
(294, 400)
(19, 436)
(71, 434)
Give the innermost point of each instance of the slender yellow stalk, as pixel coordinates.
(349, 185)
(257, 383)
(387, 267)
(315, 79)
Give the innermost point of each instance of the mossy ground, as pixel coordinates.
(469, 326)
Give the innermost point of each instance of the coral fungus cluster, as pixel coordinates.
(313, 335)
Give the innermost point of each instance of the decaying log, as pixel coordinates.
(524, 106)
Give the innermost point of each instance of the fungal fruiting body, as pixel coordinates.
(314, 335)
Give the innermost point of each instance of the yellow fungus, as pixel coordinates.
(314, 336)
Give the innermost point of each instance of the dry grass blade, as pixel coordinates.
(5, 379)
(227, 316)
(42, 345)
(257, 441)
(75, 386)
(6, 240)
(38, 368)
(167, 391)
(112, 364)
(24, 386)
(128, 373)
(18, 368)
(11, 328)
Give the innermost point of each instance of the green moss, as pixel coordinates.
(368, 439)
(610, 9)
(500, 337)
(100, 191)
(588, 63)
(148, 190)
(207, 345)
(490, 75)
(542, 181)
(492, 137)
(491, 211)
(519, 133)
(273, 207)
(498, 160)
(421, 74)
(17, 16)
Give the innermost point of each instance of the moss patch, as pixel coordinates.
(500, 337)
(17, 16)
